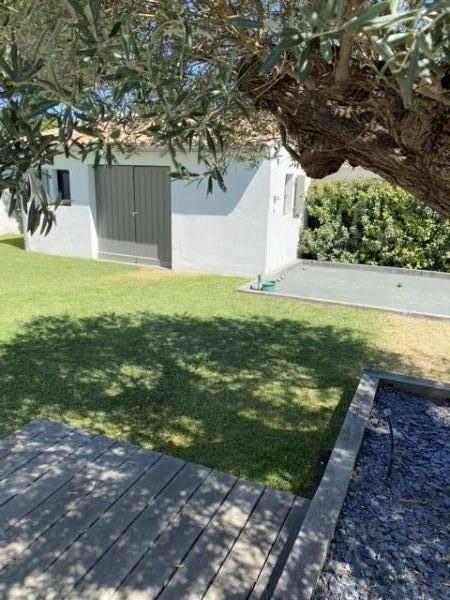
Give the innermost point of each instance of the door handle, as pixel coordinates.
(134, 213)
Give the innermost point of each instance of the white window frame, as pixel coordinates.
(50, 183)
(289, 185)
(298, 210)
(64, 201)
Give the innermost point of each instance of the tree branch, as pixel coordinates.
(321, 129)
(435, 91)
(342, 72)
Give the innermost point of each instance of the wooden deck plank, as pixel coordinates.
(158, 565)
(19, 506)
(24, 437)
(34, 469)
(47, 548)
(206, 557)
(276, 560)
(14, 460)
(117, 562)
(21, 452)
(65, 573)
(18, 538)
(239, 572)
(84, 518)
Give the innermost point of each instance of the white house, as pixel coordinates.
(133, 212)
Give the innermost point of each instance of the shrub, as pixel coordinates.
(372, 222)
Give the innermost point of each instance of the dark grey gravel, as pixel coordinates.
(393, 536)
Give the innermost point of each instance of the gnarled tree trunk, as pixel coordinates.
(327, 122)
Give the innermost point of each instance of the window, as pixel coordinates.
(299, 199)
(63, 181)
(288, 193)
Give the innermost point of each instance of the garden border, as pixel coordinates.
(302, 570)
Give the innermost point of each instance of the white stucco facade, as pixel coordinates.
(75, 232)
(283, 227)
(243, 231)
(8, 225)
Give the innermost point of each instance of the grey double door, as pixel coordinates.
(134, 214)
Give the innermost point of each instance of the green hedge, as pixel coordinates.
(372, 222)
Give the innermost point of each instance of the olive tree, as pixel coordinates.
(366, 82)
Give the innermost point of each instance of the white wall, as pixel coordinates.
(283, 229)
(225, 232)
(74, 233)
(347, 172)
(8, 225)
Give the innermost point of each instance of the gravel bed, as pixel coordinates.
(393, 535)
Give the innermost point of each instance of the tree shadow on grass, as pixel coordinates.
(261, 398)
(16, 241)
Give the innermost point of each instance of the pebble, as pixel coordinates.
(393, 537)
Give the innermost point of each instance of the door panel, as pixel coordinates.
(134, 214)
(152, 205)
(115, 207)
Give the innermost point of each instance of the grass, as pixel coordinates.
(183, 364)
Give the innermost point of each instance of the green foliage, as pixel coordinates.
(373, 222)
(406, 41)
(176, 68)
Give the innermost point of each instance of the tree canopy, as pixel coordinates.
(366, 82)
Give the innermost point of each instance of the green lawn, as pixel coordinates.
(184, 364)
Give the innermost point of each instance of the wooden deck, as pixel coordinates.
(83, 517)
